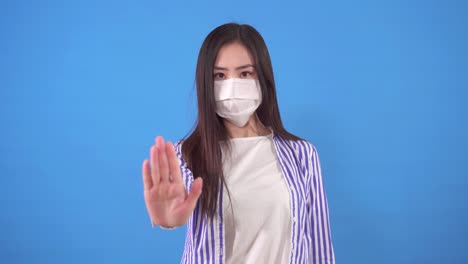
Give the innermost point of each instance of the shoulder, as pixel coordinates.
(178, 147)
(300, 146)
(178, 150)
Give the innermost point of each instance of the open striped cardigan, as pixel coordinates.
(310, 230)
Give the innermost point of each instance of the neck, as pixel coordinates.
(253, 128)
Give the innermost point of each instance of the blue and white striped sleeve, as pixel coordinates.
(186, 173)
(322, 246)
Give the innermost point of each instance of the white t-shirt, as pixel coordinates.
(258, 224)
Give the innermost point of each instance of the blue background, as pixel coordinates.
(380, 88)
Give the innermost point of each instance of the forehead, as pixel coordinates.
(233, 55)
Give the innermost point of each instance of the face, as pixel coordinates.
(234, 61)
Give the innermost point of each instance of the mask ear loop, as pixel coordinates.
(261, 125)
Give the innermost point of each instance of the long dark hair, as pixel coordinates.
(201, 149)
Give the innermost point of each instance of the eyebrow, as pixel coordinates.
(238, 68)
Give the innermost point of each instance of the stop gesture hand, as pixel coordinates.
(167, 202)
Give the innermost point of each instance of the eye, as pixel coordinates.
(246, 74)
(219, 76)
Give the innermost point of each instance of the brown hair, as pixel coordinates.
(201, 149)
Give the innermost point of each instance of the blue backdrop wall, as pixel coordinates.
(380, 88)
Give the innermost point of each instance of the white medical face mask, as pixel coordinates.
(237, 99)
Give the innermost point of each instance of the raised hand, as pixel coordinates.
(168, 203)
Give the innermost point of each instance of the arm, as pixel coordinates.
(322, 247)
(186, 173)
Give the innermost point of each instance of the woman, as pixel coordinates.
(248, 190)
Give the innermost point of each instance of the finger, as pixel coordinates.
(194, 194)
(146, 171)
(174, 167)
(163, 163)
(154, 165)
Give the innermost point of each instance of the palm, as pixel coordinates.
(166, 199)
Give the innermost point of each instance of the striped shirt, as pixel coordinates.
(310, 229)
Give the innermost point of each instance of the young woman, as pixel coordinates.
(248, 190)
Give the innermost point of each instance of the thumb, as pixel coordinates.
(195, 193)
